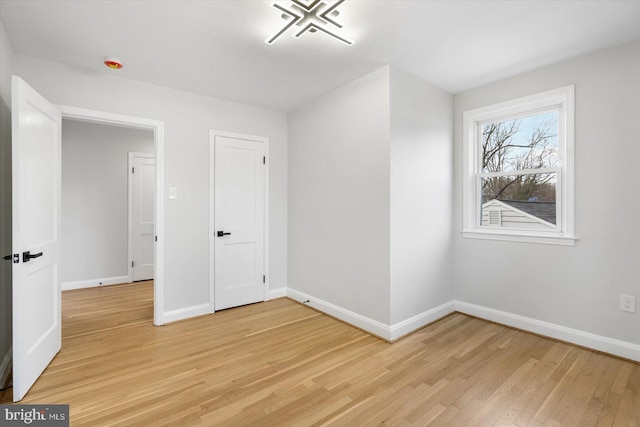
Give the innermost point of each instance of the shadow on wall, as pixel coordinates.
(5, 240)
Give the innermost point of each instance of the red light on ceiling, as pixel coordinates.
(113, 63)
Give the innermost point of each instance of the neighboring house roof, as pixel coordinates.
(546, 211)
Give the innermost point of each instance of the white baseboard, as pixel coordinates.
(5, 366)
(93, 283)
(372, 326)
(379, 329)
(414, 323)
(612, 346)
(574, 336)
(276, 293)
(202, 309)
(185, 313)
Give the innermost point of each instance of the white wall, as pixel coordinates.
(339, 197)
(95, 238)
(6, 64)
(187, 118)
(421, 196)
(575, 287)
(370, 203)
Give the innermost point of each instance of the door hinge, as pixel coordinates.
(264, 279)
(133, 170)
(156, 238)
(264, 160)
(131, 264)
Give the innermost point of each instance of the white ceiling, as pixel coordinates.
(218, 47)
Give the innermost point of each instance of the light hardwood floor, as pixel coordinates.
(280, 363)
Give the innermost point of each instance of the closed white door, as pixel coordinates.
(239, 216)
(142, 210)
(36, 196)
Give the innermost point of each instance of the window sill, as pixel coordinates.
(520, 237)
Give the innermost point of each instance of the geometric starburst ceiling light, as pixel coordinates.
(311, 16)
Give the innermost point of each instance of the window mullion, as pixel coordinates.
(519, 172)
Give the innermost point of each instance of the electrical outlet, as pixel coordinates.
(628, 303)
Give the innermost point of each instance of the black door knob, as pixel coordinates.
(222, 233)
(26, 256)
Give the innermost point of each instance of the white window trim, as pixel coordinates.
(562, 97)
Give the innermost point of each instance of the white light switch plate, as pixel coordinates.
(173, 192)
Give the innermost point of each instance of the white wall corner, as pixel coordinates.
(418, 321)
(612, 346)
(185, 313)
(369, 325)
(93, 283)
(5, 366)
(276, 293)
(379, 329)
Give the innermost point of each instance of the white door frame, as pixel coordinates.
(101, 117)
(212, 136)
(130, 207)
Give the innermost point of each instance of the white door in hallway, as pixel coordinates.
(142, 215)
(238, 223)
(36, 198)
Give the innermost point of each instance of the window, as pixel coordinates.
(518, 165)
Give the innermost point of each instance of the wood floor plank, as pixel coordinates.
(281, 363)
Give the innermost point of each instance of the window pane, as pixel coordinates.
(529, 142)
(520, 201)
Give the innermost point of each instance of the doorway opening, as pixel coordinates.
(36, 226)
(138, 126)
(107, 230)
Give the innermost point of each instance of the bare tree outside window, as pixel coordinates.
(523, 146)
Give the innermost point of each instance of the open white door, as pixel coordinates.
(36, 127)
(239, 221)
(142, 175)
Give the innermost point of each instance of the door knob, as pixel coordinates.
(222, 233)
(26, 256)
